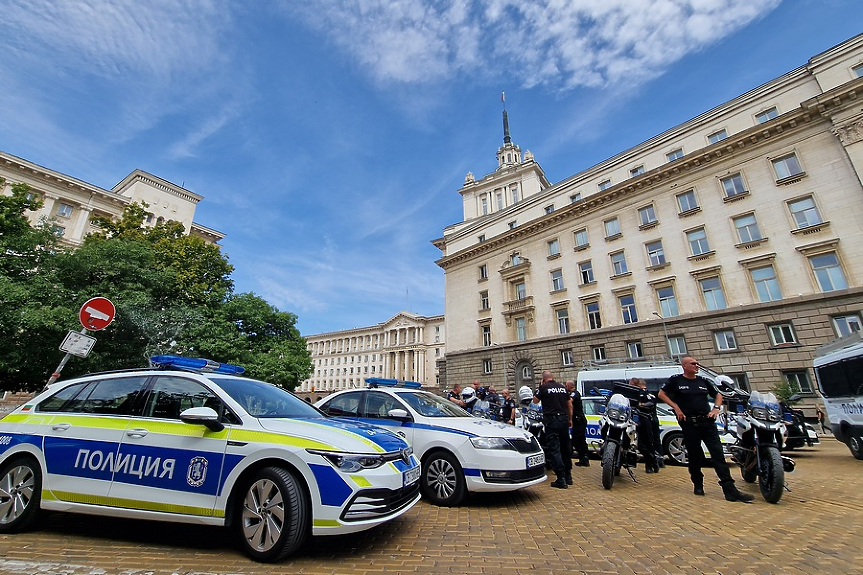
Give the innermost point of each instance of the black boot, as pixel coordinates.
(660, 460)
(560, 482)
(733, 494)
(698, 489)
(568, 478)
(583, 462)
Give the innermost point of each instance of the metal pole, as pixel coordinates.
(56, 375)
(665, 331)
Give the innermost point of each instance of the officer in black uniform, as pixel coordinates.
(687, 394)
(579, 426)
(557, 419)
(647, 439)
(507, 408)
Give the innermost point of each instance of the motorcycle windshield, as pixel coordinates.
(765, 406)
(620, 403)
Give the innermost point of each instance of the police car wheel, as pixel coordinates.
(855, 446)
(443, 479)
(274, 515)
(20, 494)
(675, 449)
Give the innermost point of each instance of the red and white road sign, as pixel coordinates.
(97, 313)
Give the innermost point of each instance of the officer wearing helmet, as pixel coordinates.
(469, 398)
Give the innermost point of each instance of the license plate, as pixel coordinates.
(534, 460)
(411, 476)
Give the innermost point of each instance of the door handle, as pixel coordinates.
(61, 426)
(138, 432)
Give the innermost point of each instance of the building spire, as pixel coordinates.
(506, 138)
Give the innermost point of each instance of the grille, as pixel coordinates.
(520, 476)
(374, 503)
(524, 446)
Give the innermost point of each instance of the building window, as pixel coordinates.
(549, 208)
(827, 272)
(597, 352)
(805, 212)
(483, 272)
(711, 289)
(725, 340)
(647, 215)
(586, 271)
(512, 225)
(858, 70)
(687, 201)
(612, 228)
(574, 197)
(677, 345)
(515, 259)
(618, 263)
(787, 166)
(698, 243)
(717, 136)
(481, 238)
(655, 253)
(581, 238)
(846, 324)
(747, 228)
(766, 115)
(554, 248)
(64, 210)
(604, 185)
(562, 320)
(486, 335)
(520, 290)
(594, 319)
(782, 334)
(483, 300)
(557, 280)
(520, 329)
(514, 194)
(667, 301)
(636, 171)
(766, 284)
(486, 366)
(627, 308)
(484, 205)
(566, 358)
(499, 197)
(634, 350)
(58, 231)
(798, 381)
(733, 185)
(674, 154)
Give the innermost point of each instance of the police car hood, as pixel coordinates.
(476, 426)
(330, 433)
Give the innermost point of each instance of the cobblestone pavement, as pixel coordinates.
(653, 526)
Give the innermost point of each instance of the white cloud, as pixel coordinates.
(560, 44)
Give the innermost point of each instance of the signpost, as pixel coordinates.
(96, 314)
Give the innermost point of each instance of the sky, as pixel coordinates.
(330, 138)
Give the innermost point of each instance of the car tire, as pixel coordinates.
(274, 518)
(443, 479)
(20, 494)
(855, 445)
(674, 448)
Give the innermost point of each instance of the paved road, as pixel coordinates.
(654, 526)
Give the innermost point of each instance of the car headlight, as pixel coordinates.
(350, 462)
(490, 443)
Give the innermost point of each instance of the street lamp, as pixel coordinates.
(665, 331)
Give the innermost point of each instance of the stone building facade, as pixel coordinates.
(735, 236)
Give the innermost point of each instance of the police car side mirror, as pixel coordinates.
(399, 414)
(202, 416)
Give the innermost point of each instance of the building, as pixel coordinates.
(735, 236)
(71, 203)
(406, 347)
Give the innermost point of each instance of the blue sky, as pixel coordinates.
(329, 138)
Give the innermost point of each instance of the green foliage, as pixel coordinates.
(173, 295)
(783, 391)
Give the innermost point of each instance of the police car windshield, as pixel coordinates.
(261, 399)
(430, 405)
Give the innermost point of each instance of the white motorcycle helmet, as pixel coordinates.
(724, 384)
(468, 396)
(525, 394)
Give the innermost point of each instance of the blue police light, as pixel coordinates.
(386, 382)
(413, 384)
(196, 363)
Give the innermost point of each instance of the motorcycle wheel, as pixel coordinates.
(772, 477)
(609, 452)
(748, 468)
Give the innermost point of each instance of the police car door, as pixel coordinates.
(83, 425)
(167, 465)
(375, 410)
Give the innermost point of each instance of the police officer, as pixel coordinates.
(647, 439)
(579, 426)
(507, 408)
(557, 419)
(454, 395)
(687, 394)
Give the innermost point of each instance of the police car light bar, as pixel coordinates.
(197, 364)
(384, 382)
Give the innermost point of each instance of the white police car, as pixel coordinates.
(459, 453)
(191, 441)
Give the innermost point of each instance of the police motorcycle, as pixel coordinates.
(482, 407)
(618, 426)
(756, 421)
(529, 416)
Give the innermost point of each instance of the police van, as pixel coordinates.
(191, 441)
(839, 375)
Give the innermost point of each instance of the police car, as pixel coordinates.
(670, 433)
(459, 453)
(189, 440)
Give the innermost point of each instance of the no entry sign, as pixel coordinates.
(97, 313)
